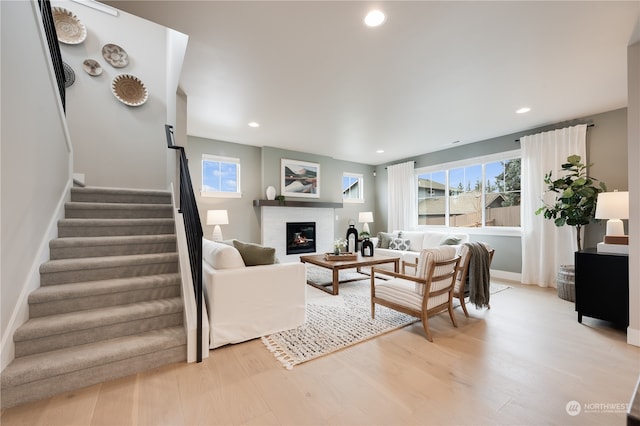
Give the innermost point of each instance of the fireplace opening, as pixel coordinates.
(301, 237)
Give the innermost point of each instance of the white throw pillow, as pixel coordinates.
(221, 256)
(432, 239)
(415, 237)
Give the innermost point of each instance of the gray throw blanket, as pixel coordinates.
(479, 276)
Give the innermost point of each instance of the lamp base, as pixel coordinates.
(615, 227)
(217, 233)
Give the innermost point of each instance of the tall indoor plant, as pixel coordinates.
(576, 195)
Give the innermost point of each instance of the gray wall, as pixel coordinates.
(606, 149)
(35, 160)
(260, 168)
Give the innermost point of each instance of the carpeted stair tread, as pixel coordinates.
(82, 320)
(120, 195)
(113, 227)
(103, 287)
(75, 247)
(75, 209)
(50, 364)
(63, 265)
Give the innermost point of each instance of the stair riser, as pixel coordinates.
(57, 307)
(125, 213)
(81, 337)
(63, 277)
(65, 231)
(12, 396)
(111, 250)
(100, 197)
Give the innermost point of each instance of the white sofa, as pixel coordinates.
(246, 302)
(418, 240)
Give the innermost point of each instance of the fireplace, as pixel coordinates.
(301, 237)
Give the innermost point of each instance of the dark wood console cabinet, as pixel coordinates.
(602, 286)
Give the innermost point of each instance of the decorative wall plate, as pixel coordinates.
(129, 90)
(69, 75)
(68, 27)
(115, 55)
(92, 67)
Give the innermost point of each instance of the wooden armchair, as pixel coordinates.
(461, 288)
(428, 292)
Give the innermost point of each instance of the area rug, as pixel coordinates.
(336, 322)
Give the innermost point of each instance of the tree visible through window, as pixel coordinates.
(220, 176)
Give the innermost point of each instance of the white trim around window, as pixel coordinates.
(355, 191)
(220, 177)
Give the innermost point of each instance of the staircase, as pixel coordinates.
(109, 302)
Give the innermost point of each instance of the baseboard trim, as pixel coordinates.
(506, 275)
(633, 336)
(20, 313)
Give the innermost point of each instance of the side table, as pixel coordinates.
(602, 286)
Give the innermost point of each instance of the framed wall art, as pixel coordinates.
(300, 179)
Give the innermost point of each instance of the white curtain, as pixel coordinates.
(544, 245)
(402, 202)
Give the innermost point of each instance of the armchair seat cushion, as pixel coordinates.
(401, 292)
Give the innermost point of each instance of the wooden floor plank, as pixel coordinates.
(520, 362)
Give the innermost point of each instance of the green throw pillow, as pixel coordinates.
(255, 254)
(450, 240)
(384, 238)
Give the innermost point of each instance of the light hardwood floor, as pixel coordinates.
(521, 362)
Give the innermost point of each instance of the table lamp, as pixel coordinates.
(366, 218)
(613, 206)
(217, 218)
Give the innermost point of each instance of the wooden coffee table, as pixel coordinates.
(337, 265)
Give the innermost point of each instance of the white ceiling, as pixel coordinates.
(317, 80)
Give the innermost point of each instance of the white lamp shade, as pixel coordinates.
(365, 217)
(613, 205)
(217, 217)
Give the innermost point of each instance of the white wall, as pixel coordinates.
(114, 144)
(36, 158)
(633, 125)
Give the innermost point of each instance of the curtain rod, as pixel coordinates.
(588, 125)
(414, 162)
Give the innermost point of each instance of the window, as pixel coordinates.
(432, 198)
(220, 177)
(352, 188)
(483, 192)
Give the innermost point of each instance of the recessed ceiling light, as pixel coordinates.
(374, 18)
(523, 110)
(380, 151)
(254, 124)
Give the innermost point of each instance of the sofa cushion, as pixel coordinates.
(400, 244)
(384, 238)
(255, 254)
(221, 256)
(415, 237)
(432, 239)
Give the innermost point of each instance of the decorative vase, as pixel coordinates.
(271, 193)
(367, 248)
(352, 239)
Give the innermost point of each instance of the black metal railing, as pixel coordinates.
(193, 230)
(54, 48)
